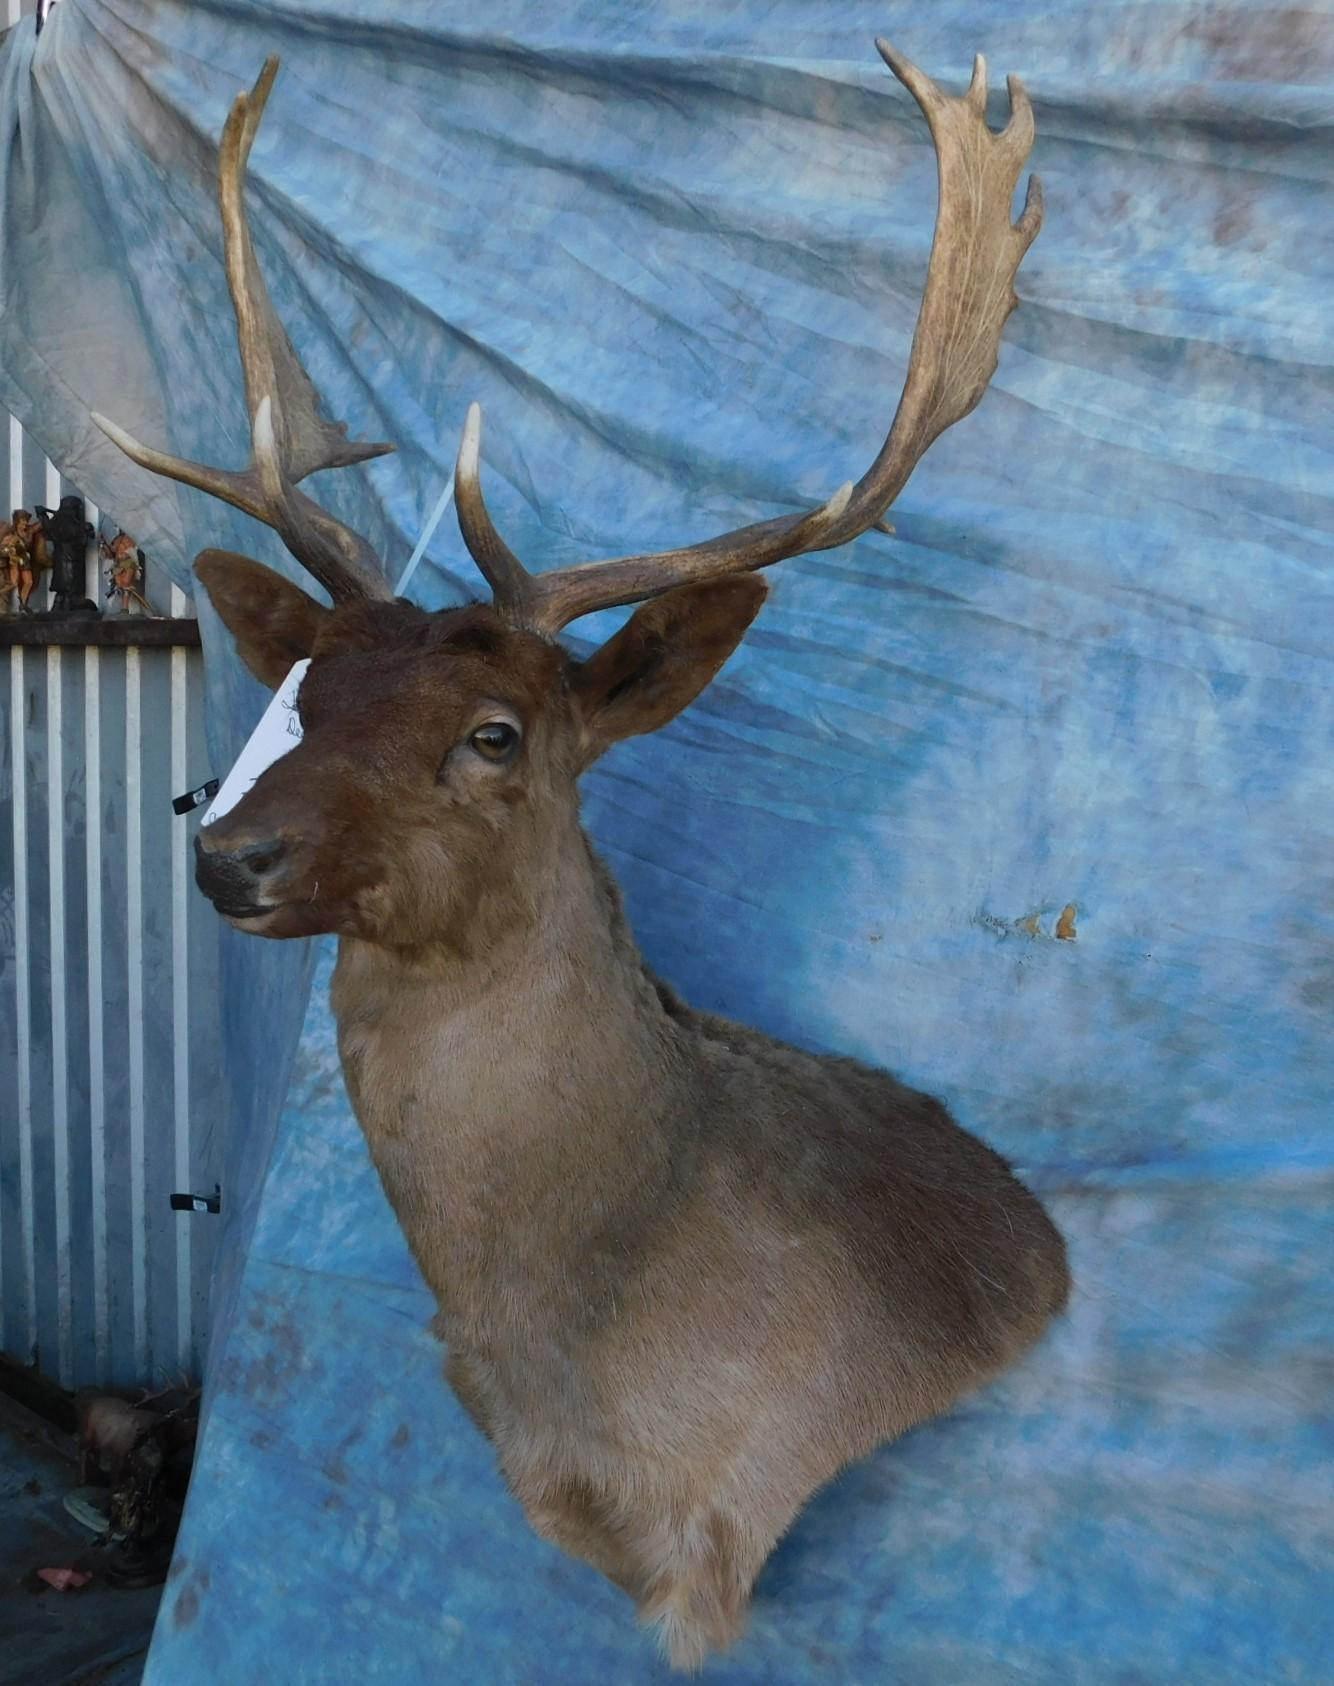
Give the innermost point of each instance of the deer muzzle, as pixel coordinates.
(239, 881)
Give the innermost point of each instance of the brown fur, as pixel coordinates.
(685, 1273)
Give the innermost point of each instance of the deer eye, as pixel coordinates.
(496, 741)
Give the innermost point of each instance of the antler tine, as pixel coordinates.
(975, 255)
(289, 437)
(511, 583)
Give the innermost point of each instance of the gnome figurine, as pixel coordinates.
(125, 567)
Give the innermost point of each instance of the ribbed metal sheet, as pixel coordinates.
(109, 1074)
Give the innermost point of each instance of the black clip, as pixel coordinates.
(198, 1202)
(192, 798)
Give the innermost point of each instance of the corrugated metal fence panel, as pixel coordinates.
(109, 1036)
(16, 9)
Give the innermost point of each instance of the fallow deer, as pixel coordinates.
(685, 1273)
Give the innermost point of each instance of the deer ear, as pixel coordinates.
(273, 621)
(662, 658)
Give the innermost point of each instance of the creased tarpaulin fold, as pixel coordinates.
(676, 253)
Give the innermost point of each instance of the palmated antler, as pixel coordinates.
(975, 256)
(289, 437)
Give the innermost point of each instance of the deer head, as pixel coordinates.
(440, 752)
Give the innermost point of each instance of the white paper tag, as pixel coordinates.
(279, 730)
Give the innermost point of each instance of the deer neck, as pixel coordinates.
(515, 1098)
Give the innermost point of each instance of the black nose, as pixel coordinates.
(234, 879)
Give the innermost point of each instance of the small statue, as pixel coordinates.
(33, 534)
(24, 552)
(68, 532)
(126, 569)
(13, 558)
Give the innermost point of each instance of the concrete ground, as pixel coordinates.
(94, 1637)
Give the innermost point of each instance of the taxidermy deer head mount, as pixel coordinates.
(439, 748)
(685, 1273)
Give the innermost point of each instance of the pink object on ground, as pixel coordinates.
(64, 1579)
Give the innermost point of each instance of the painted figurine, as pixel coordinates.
(13, 556)
(25, 553)
(68, 532)
(126, 569)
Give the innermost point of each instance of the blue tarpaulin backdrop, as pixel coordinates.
(676, 251)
